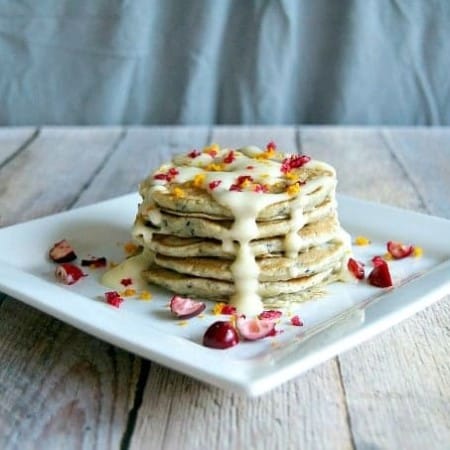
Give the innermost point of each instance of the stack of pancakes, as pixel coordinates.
(233, 224)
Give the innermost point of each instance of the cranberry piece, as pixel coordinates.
(68, 273)
(113, 298)
(220, 335)
(185, 308)
(253, 329)
(228, 310)
(270, 314)
(62, 252)
(356, 268)
(380, 275)
(296, 321)
(271, 146)
(399, 250)
(230, 157)
(294, 162)
(214, 184)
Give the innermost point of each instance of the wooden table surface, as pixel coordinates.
(62, 388)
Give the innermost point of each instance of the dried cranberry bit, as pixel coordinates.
(275, 332)
(126, 282)
(214, 184)
(254, 328)
(94, 262)
(380, 275)
(185, 307)
(220, 335)
(240, 181)
(398, 250)
(194, 154)
(294, 162)
(244, 178)
(113, 298)
(260, 188)
(68, 273)
(296, 321)
(168, 176)
(172, 173)
(230, 157)
(62, 252)
(356, 268)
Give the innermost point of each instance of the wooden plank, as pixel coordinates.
(424, 154)
(365, 166)
(59, 386)
(288, 417)
(396, 385)
(13, 139)
(140, 152)
(179, 412)
(50, 173)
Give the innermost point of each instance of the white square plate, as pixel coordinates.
(349, 314)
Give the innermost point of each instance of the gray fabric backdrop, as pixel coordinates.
(220, 61)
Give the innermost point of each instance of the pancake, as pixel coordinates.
(276, 268)
(315, 233)
(197, 202)
(198, 287)
(188, 226)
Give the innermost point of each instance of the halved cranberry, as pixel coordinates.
(185, 308)
(254, 328)
(62, 252)
(356, 268)
(399, 250)
(68, 273)
(380, 275)
(270, 314)
(221, 335)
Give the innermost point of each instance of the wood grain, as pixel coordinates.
(401, 377)
(179, 412)
(60, 388)
(12, 140)
(50, 173)
(424, 154)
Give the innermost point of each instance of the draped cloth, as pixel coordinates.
(367, 62)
